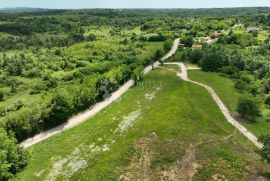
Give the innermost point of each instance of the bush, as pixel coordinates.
(158, 55)
(137, 74)
(241, 85)
(57, 52)
(265, 151)
(266, 86)
(267, 101)
(248, 108)
(35, 72)
(230, 70)
(61, 107)
(36, 89)
(2, 96)
(187, 40)
(21, 122)
(156, 38)
(91, 37)
(15, 67)
(51, 83)
(85, 94)
(195, 56)
(214, 58)
(167, 45)
(13, 159)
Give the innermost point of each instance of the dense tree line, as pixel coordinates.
(46, 29)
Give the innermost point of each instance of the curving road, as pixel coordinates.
(82, 117)
(183, 75)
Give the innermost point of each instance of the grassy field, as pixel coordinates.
(263, 35)
(224, 87)
(160, 130)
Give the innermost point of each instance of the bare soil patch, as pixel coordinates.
(156, 159)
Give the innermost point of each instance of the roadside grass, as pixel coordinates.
(150, 47)
(260, 127)
(164, 121)
(224, 87)
(191, 65)
(172, 67)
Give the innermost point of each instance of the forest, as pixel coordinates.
(57, 63)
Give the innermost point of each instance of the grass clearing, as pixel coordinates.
(224, 87)
(169, 133)
(263, 35)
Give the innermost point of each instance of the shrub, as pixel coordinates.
(51, 83)
(214, 58)
(195, 56)
(137, 74)
(187, 40)
(267, 101)
(167, 45)
(241, 85)
(85, 94)
(91, 37)
(2, 96)
(230, 70)
(157, 38)
(158, 55)
(248, 108)
(266, 86)
(36, 89)
(57, 52)
(265, 151)
(15, 67)
(61, 107)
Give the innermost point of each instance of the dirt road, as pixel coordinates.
(82, 117)
(221, 105)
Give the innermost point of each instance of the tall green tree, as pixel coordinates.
(137, 74)
(214, 58)
(167, 45)
(61, 107)
(12, 158)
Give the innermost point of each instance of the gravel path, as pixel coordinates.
(82, 117)
(221, 105)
